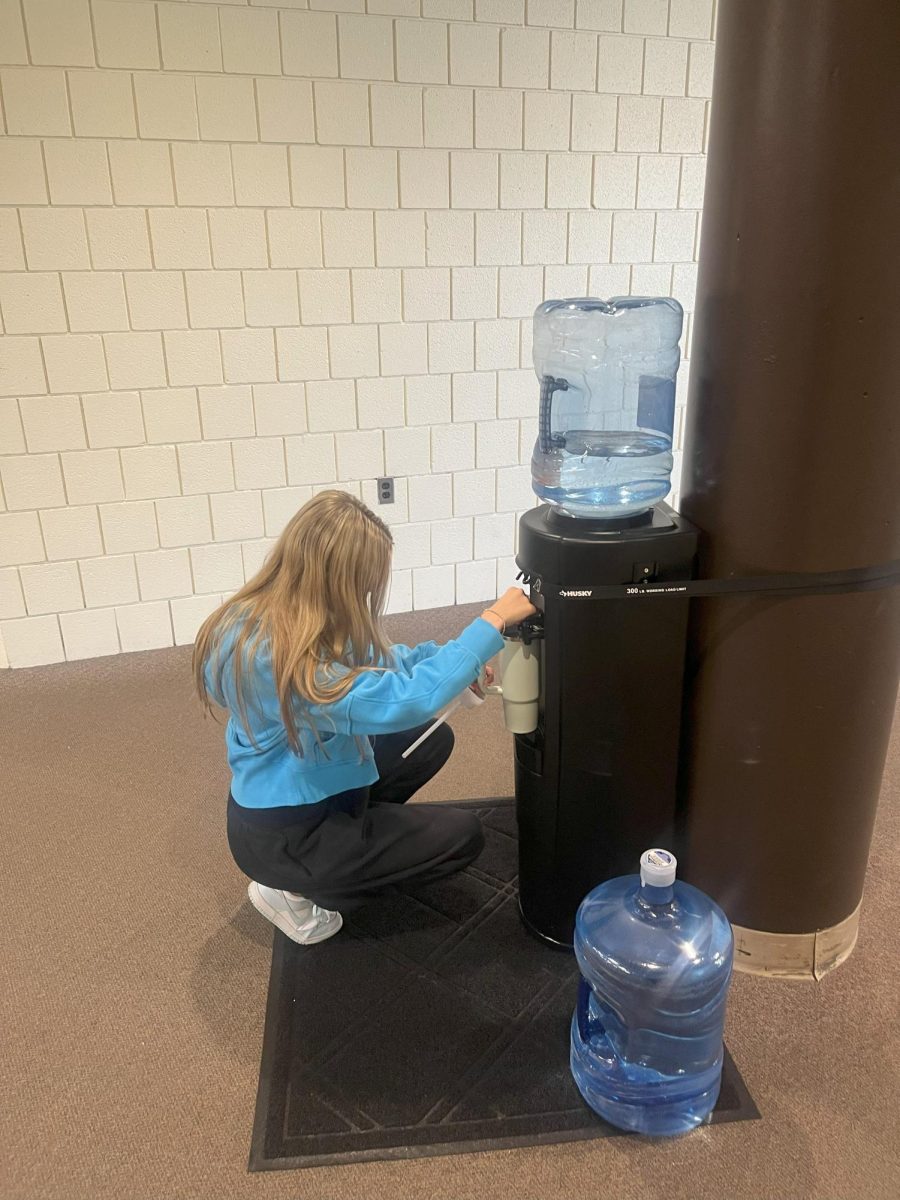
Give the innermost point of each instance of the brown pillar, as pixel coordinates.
(792, 463)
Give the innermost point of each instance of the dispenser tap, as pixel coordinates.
(528, 631)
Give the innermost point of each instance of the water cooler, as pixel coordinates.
(596, 776)
(596, 780)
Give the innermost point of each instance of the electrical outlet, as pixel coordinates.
(386, 490)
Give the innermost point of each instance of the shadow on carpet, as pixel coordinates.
(432, 1024)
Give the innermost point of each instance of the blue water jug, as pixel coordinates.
(607, 403)
(655, 956)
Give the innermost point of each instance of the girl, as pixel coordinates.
(321, 708)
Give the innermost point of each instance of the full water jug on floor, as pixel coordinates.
(607, 407)
(655, 957)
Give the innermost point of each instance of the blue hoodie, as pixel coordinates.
(266, 773)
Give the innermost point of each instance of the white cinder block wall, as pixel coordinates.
(254, 249)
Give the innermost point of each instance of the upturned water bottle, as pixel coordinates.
(607, 403)
(656, 958)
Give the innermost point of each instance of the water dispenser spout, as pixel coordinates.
(530, 630)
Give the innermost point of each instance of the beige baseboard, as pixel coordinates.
(795, 955)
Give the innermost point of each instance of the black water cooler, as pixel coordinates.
(596, 781)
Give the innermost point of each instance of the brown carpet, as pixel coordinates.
(136, 973)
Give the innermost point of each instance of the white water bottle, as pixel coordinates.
(520, 684)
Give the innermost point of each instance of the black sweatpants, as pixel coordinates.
(344, 850)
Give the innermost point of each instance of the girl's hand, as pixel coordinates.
(483, 681)
(511, 608)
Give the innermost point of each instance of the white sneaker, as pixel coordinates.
(300, 920)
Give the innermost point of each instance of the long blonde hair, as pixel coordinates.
(316, 606)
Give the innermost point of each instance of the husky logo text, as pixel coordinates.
(577, 592)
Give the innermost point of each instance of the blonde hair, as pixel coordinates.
(315, 605)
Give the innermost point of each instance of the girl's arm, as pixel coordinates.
(389, 701)
(406, 657)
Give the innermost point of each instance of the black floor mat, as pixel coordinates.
(432, 1024)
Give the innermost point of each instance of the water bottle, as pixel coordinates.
(655, 956)
(520, 684)
(607, 403)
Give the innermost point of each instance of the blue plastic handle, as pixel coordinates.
(587, 1026)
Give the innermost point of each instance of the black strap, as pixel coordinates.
(809, 583)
